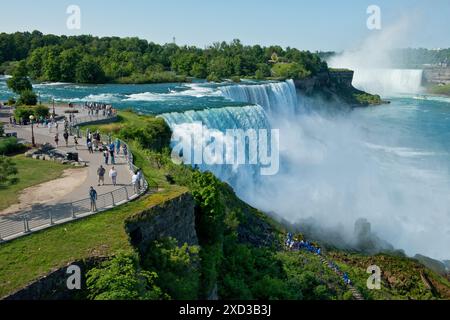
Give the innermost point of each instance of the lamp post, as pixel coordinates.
(33, 142)
(54, 113)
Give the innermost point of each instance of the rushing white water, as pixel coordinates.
(388, 81)
(376, 164)
(278, 97)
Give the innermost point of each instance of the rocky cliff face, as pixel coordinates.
(437, 75)
(171, 219)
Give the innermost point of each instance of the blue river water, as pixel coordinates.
(388, 164)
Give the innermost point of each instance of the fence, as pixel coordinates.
(42, 216)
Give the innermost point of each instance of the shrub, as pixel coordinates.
(7, 170)
(10, 146)
(28, 98)
(236, 79)
(290, 71)
(11, 102)
(41, 111)
(23, 113)
(121, 279)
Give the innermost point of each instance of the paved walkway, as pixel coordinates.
(63, 207)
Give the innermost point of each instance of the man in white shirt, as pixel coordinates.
(113, 175)
(134, 182)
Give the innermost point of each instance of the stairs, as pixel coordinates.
(356, 294)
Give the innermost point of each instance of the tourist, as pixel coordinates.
(66, 138)
(101, 175)
(134, 182)
(125, 150)
(89, 145)
(106, 156)
(117, 146)
(113, 175)
(139, 178)
(49, 127)
(57, 139)
(93, 197)
(111, 152)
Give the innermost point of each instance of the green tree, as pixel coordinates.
(69, 60)
(28, 98)
(19, 81)
(7, 170)
(89, 71)
(121, 279)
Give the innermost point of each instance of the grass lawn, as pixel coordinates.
(440, 90)
(31, 172)
(26, 259)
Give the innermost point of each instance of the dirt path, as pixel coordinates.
(48, 192)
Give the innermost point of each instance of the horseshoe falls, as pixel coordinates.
(389, 164)
(389, 81)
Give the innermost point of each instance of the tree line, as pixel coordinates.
(89, 59)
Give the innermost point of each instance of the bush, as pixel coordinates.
(213, 78)
(177, 268)
(26, 111)
(23, 113)
(10, 146)
(121, 279)
(7, 170)
(290, 71)
(236, 79)
(41, 111)
(155, 135)
(11, 102)
(27, 98)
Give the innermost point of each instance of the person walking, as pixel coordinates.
(134, 182)
(93, 197)
(66, 138)
(113, 176)
(75, 140)
(117, 146)
(125, 150)
(89, 145)
(106, 156)
(101, 175)
(111, 152)
(139, 178)
(57, 140)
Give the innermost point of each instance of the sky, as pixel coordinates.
(305, 24)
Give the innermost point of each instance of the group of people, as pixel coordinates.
(95, 108)
(295, 244)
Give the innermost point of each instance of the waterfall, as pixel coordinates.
(247, 117)
(276, 97)
(388, 81)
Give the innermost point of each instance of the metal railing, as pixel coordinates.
(42, 216)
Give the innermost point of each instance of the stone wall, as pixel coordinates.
(174, 219)
(54, 285)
